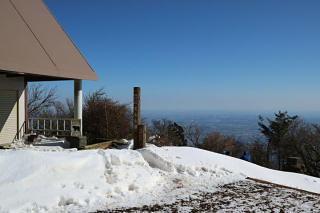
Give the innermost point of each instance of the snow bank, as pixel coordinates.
(32, 180)
(192, 160)
(38, 181)
(56, 180)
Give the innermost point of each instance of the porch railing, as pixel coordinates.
(50, 126)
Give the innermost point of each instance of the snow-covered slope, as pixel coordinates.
(194, 160)
(56, 180)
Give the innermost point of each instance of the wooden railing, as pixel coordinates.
(50, 126)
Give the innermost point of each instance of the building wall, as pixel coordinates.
(15, 84)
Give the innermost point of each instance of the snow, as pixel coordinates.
(43, 179)
(51, 141)
(42, 143)
(191, 159)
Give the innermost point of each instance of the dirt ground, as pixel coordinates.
(243, 196)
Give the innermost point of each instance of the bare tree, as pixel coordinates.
(70, 106)
(40, 99)
(193, 133)
(159, 130)
(104, 118)
(216, 142)
(165, 132)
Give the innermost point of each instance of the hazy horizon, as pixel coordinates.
(241, 125)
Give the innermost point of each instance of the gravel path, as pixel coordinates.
(243, 196)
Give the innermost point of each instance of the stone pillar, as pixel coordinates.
(78, 101)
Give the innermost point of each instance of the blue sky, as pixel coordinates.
(260, 55)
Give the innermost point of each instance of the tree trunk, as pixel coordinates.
(279, 159)
(268, 155)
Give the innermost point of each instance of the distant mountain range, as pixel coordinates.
(242, 125)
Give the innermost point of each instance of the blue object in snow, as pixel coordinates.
(246, 156)
(225, 152)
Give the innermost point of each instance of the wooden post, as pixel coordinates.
(17, 101)
(106, 117)
(142, 137)
(136, 114)
(26, 131)
(44, 127)
(57, 127)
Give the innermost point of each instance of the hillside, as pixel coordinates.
(50, 179)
